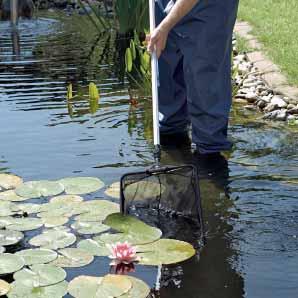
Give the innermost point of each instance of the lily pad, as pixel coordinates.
(37, 256)
(8, 208)
(88, 228)
(53, 239)
(139, 289)
(66, 199)
(94, 247)
(99, 287)
(11, 196)
(2, 249)
(25, 224)
(54, 221)
(9, 181)
(81, 185)
(10, 263)
(37, 189)
(10, 237)
(134, 230)
(97, 210)
(113, 190)
(19, 290)
(4, 287)
(30, 208)
(165, 252)
(73, 257)
(40, 275)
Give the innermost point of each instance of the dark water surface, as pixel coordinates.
(250, 203)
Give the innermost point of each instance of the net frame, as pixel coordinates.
(166, 170)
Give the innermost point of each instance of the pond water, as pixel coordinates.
(250, 203)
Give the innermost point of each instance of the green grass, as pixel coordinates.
(275, 24)
(242, 45)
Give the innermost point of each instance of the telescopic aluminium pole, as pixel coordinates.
(154, 72)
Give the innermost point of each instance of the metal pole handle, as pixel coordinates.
(154, 72)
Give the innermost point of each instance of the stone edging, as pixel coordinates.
(260, 81)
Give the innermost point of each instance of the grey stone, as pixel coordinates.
(251, 97)
(250, 107)
(291, 117)
(293, 111)
(261, 104)
(281, 115)
(271, 107)
(271, 115)
(291, 106)
(277, 100)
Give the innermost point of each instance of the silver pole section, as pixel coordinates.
(14, 14)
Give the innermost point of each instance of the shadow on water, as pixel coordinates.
(250, 202)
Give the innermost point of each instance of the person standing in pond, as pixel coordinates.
(193, 41)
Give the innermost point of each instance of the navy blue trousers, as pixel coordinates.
(195, 74)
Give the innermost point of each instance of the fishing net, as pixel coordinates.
(166, 197)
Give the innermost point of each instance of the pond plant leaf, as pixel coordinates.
(8, 208)
(37, 189)
(93, 92)
(37, 256)
(54, 221)
(94, 247)
(19, 290)
(99, 287)
(2, 249)
(54, 239)
(66, 199)
(11, 196)
(81, 185)
(165, 252)
(10, 263)
(113, 190)
(139, 289)
(88, 228)
(128, 60)
(9, 181)
(24, 224)
(4, 287)
(73, 257)
(10, 237)
(136, 231)
(30, 208)
(40, 275)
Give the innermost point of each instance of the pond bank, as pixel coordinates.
(260, 82)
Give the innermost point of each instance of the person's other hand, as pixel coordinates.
(157, 40)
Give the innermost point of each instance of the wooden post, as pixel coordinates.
(14, 12)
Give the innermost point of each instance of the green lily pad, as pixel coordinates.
(30, 208)
(8, 181)
(113, 190)
(96, 248)
(88, 228)
(139, 289)
(37, 189)
(19, 290)
(8, 208)
(165, 252)
(24, 224)
(10, 263)
(66, 199)
(54, 221)
(53, 239)
(37, 256)
(11, 196)
(40, 275)
(5, 221)
(73, 257)
(4, 287)
(99, 287)
(143, 190)
(134, 230)
(10, 237)
(81, 185)
(2, 249)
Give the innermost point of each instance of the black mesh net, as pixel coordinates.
(166, 197)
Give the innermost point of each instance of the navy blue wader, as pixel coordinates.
(195, 73)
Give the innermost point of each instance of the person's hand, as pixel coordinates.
(157, 40)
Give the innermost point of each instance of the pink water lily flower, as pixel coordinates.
(122, 253)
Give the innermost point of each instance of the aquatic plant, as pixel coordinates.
(122, 253)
